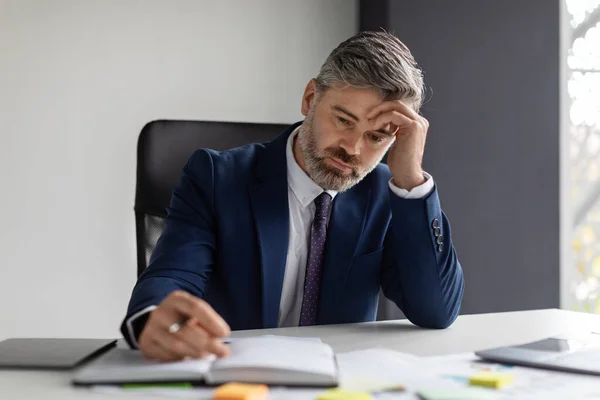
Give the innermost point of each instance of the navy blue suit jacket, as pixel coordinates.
(226, 240)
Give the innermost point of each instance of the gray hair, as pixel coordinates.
(375, 60)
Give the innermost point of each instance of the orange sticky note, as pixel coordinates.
(240, 391)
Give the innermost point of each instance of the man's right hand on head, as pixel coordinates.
(198, 334)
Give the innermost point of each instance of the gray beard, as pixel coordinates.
(324, 175)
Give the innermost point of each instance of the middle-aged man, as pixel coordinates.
(305, 229)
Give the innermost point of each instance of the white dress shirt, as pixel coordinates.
(302, 192)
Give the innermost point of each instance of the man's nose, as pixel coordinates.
(352, 144)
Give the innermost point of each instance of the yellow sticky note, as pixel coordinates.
(240, 391)
(338, 394)
(491, 379)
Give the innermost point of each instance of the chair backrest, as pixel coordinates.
(164, 147)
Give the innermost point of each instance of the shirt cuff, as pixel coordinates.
(131, 321)
(418, 192)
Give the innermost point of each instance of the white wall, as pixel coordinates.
(78, 80)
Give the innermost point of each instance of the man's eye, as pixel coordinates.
(375, 138)
(344, 121)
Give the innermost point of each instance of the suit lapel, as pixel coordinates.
(269, 199)
(343, 233)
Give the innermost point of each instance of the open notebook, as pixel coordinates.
(269, 360)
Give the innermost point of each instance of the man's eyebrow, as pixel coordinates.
(385, 133)
(343, 110)
(354, 117)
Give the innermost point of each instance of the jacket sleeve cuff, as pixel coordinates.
(418, 192)
(135, 324)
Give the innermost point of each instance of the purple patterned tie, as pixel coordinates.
(316, 251)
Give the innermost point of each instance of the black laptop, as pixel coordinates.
(50, 353)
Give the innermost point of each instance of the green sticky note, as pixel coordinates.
(456, 394)
(165, 385)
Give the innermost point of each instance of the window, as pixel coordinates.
(583, 73)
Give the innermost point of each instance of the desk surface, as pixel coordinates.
(468, 333)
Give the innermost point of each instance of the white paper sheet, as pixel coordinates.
(378, 368)
(530, 383)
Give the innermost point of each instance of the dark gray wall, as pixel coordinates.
(373, 14)
(493, 144)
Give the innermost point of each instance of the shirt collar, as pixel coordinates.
(304, 188)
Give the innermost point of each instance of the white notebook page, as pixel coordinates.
(279, 353)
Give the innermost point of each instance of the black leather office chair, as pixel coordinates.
(164, 147)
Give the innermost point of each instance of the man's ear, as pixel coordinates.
(310, 94)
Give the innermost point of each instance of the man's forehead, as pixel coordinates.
(358, 101)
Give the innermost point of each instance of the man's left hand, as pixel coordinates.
(406, 154)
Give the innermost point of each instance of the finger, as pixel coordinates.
(163, 317)
(396, 105)
(174, 345)
(198, 342)
(153, 350)
(191, 333)
(394, 118)
(189, 306)
(161, 353)
(216, 347)
(195, 337)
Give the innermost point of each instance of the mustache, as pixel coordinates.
(341, 155)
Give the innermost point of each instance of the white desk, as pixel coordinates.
(469, 333)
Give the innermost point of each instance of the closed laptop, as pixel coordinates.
(50, 353)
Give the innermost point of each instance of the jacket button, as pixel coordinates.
(440, 240)
(437, 231)
(435, 223)
(440, 247)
